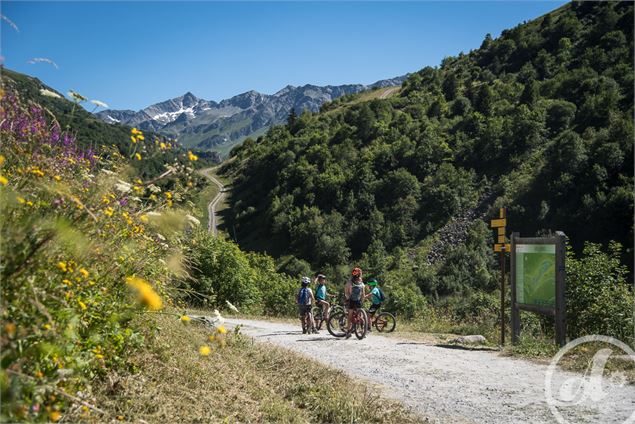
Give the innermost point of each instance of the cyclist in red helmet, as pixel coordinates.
(354, 294)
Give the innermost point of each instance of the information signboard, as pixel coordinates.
(536, 274)
(538, 280)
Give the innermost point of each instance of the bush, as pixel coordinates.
(599, 299)
(219, 271)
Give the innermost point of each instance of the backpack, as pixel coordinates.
(303, 296)
(356, 292)
(382, 297)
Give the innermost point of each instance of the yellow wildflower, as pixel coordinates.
(62, 266)
(120, 417)
(163, 146)
(81, 304)
(185, 319)
(138, 181)
(211, 337)
(21, 200)
(168, 195)
(2, 159)
(221, 330)
(204, 350)
(84, 273)
(55, 416)
(109, 211)
(29, 203)
(39, 374)
(67, 282)
(133, 139)
(191, 156)
(9, 328)
(140, 137)
(37, 171)
(46, 326)
(3, 180)
(137, 156)
(144, 218)
(57, 178)
(147, 295)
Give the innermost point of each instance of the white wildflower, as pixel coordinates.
(160, 236)
(232, 307)
(107, 172)
(76, 96)
(219, 318)
(192, 220)
(49, 93)
(123, 186)
(154, 189)
(99, 103)
(43, 60)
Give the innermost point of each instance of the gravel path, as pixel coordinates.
(447, 384)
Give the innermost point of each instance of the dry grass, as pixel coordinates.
(244, 382)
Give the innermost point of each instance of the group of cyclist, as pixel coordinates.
(355, 292)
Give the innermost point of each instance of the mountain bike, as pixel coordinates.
(318, 314)
(337, 323)
(306, 322)
(384, 322)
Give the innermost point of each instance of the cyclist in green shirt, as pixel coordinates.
(377, 298)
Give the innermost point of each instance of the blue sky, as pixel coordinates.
(133, 54)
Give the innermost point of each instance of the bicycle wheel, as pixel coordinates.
(361, 324)
(305, 324)
(336, 308)
(385, 322)
(317, 316)
(336, 325)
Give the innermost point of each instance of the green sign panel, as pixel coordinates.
(536, 274)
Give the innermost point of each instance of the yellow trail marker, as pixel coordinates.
(496, 223)
(501, 231)
(501, 239)
(498, 247)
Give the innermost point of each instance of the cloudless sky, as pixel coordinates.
(133, 54)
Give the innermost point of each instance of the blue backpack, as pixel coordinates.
(357, 292)
(304, 296)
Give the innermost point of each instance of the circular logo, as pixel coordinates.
(575, 397)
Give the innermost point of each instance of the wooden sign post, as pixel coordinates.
(502, 247)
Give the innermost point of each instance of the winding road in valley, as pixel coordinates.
(448, 384)
(212, 226)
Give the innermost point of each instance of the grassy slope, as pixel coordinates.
(245, 382)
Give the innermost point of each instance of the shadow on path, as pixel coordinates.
(280, 333)
(459, 347)
(320, 339)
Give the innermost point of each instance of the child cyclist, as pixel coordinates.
(305, 300)
(321, 296)
(354, 293)
(377, 298)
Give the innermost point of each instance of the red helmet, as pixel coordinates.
(357, 272)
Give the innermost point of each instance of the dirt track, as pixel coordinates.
(446, 384)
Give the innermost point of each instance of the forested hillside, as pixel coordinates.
(538, 120)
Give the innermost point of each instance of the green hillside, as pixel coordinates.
(538, 120)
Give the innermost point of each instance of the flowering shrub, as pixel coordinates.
(81, 255)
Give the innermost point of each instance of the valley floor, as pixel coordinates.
(442, 382)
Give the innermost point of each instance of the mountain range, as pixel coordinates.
(218, 126)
